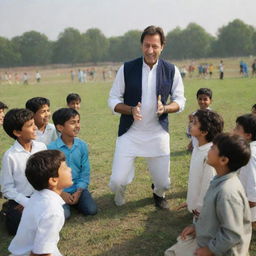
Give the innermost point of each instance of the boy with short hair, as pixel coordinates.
(74, 101)
(246, 127)
(205, 126)
(3, 107)
(45, 132)
(204, 100)
(254, 109)
(19, 125)
(67, 122)
(223, 227)
(43, 216)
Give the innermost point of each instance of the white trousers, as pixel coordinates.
(123, 172)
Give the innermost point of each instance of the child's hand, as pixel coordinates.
(204, 251)
(189, 230)
(181, 206)
(19, 207)
(67, 197)
(76, 196)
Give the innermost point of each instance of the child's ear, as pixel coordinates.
(16, 133)
(224, 160)
(59, 127)
(204, 133)
(53, 181)
(248, 136)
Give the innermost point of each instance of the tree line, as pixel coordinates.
(72, 47)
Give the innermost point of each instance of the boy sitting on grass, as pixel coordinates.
(45, 132)
(67, 122)
(19, 125)
(43, 216)
(224, 224)
(246, 127)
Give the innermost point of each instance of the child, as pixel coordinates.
(204, 100)
(246, 127)
(67, 122)
(45, 132)
(43, 217)
(3, 107)
(223, 227)
(73, 101)
(19, 125)
(206, 125)
(254, 109)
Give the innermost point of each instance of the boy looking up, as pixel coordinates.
(45, 132)
(223, 226)
(67, 122)
(3, 107)
(43, 216)
(73, 101)
(19, 125)
(246, 127)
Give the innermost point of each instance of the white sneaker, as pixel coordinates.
(119, 197)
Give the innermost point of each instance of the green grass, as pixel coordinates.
(136, 228)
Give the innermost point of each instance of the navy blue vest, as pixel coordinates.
(133, 89)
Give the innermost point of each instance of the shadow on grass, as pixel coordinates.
(180, 153)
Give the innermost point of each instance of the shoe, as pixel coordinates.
(119, 198)
(160, 202)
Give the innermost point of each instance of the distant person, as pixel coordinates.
(221, 69)
(72, 74)
(211, 70)
(74, 101)
(241, 66)
(224, 224)
(67, 122)
(46, 131)
(17, 78)
(43, 216)
(18, 124)
(254, 68)
(25, 78)
(140, 93)
(38, 77)
(3, 107)
(245, 70)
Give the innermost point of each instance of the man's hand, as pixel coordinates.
(76, 196)
(19, 207)
(160, 106)
(136, 112)
(204, 251)
(189, 230)
(68, 198)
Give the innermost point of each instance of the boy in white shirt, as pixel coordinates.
(19, 125)
(246, 127)
(205, 126)
(45, 132)
(43, 216)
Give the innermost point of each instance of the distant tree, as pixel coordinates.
(9, 56)
(235, 39)
(115, 51)
(34, 48)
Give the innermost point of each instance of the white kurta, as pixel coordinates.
(146, 137)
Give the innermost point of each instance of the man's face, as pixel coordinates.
(151, 48)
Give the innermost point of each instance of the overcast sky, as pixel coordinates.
(115, 17)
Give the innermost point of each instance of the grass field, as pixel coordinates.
(136, 228)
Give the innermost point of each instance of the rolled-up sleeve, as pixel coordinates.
(117, 91)
(177, 92)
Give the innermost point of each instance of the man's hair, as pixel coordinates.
(235, 148)
(73, 97)
(62, 115)
(15, 119)
(36, 103)
(42, 166)
(3, 106)
(248, 122)
(206, 91)
(210, 122)
(151, 31)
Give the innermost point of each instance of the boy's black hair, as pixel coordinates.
(254, 106)
(205, 91)
(235, 148)
(62, 115)
(34, 104)
(72, 97)
(42, 166)
(3, 106)
(248, 122)
(15, 119)
(210, 122)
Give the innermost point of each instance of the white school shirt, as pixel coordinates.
(14, 184)
(145, 137)
(48, 135)
(200, 175)
(247, 175)
(41, 222)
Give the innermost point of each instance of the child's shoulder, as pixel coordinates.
(37, 145)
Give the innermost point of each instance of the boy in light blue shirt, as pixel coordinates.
(67, 122)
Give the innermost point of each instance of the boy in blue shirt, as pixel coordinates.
(67, 122)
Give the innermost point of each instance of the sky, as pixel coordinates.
(116, 17)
